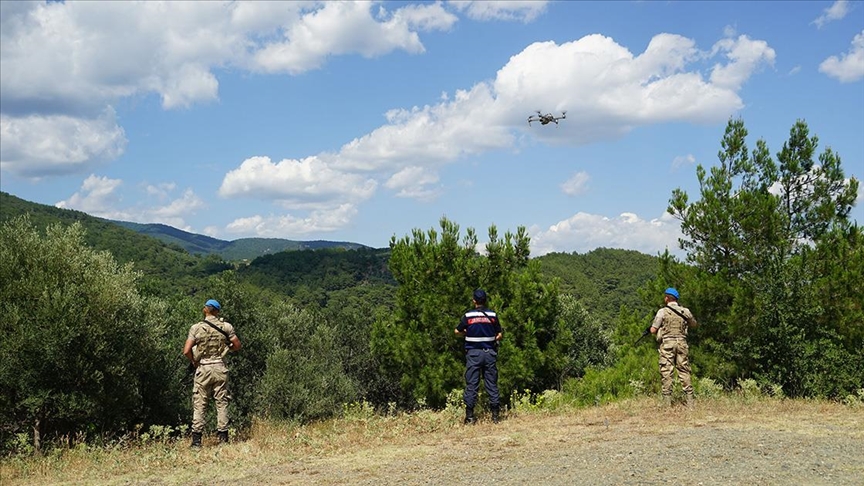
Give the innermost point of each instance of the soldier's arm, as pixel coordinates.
(235, 343)
(187, 350)
(692, 321)
(658, 321)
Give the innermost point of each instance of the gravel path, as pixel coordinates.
(597, 448)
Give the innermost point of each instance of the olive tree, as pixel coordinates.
(76, 348)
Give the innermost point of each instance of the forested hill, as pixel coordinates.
(603, 279)
(164, 267)
(237, 250)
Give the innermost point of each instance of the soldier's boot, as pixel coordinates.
(223, 436)
(496, 414)
(690, 402)
(667, 400)
(469, 416)
(196, 440)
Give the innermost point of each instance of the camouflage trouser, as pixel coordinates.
(210, 379)
(673, 355)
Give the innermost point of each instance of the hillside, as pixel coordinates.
(603, 279)
(159, 263)
(236, 250)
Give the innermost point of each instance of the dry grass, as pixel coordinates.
(423, 446)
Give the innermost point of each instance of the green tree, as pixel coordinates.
(761, 237)
(436, 273)
(75, 354)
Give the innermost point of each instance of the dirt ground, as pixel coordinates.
(775, 442)
(796, 446)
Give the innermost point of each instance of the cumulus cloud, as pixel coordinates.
(41, 145)
(519, 10)
(309, 183)
(607, 89)
(576, 185)
(66, 63)
(836, 11)
(414, 182)
(100, 196)
(347, 28)
(745, 56)
(584, 232)
(849, 67)
(279, 226)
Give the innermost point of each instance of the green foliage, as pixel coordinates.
(311, 275)
(603, 280)
(165, 270)
(304, 378)
(76, 348)
(436, 275)
(773, 250)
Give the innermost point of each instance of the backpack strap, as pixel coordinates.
(686, 319)
(214, 326)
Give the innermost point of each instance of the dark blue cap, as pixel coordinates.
(214, 304)
(480, 296)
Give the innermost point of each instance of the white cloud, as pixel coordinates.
(607, 89)
(795, 70)
(347, 28)
(682, 160)
(99, 196)
(519, 10)
(96, 197)
(584, 232)
(745, 57)
(41, 145)
(309, 183)
(836, 11)
(849, 66)
(64, 63)
(576, 185)
(289, 226)
(413, 182)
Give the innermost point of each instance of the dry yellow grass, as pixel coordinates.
(722, 441)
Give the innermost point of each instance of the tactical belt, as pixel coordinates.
(479, 339)
(210, 361)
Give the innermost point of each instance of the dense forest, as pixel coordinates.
(94, 314)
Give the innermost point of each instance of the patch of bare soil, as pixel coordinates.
(746, 444)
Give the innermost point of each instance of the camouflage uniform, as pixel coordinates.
(211, 375)
(672, 337)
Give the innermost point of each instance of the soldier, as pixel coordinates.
(206, 345)
(671, 324)
(482, 331)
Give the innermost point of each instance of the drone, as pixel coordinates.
(547, 118)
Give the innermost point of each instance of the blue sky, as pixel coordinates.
(360, 121)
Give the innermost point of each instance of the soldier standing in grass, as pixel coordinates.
(671, 324)
(482, 331)
(206, 345)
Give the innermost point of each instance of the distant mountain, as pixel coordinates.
(237, 250)
(240, 249)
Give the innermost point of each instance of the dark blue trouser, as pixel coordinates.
(477, 361)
